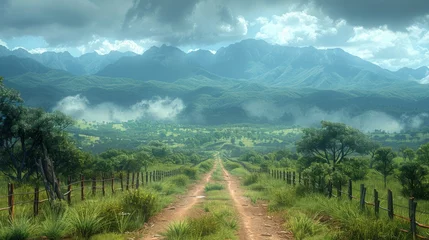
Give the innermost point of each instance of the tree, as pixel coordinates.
(29, 138)
(144, 159)
(412, 176)
(423, 154)
(332, 143)
(372, 148)
(409, 154)
(383, 161)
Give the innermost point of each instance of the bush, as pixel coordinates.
(251, 179)
(140, 202)
(205, 166)
(282, 198)
(231, 166)
(190, 172)
(180, 180)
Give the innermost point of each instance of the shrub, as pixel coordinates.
(141, 202)
(205, 166)
(231, 166)
(282, 198)
(250, 179)
(190, 172)
(213, 186)
(180, 180)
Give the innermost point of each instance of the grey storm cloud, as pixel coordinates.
(72, 22)
(396, 14)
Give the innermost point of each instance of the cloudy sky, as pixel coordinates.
(390, 33)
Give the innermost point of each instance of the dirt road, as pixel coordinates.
(177, 211)
(255, 221)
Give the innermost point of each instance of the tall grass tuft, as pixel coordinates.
(53, 226)
(85, 220)
(303, 226)
(177, 231)
(19, 229)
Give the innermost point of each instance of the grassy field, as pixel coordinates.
(314, 216)
(98, 217)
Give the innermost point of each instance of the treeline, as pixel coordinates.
(336, 153)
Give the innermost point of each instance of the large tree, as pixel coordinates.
(29, 138)
(423, 154)
(384, 162)
(332, 143)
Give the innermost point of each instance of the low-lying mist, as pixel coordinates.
(158, 108)
(368, 121)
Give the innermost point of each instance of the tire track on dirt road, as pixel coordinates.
(255, 222)
(176, 211)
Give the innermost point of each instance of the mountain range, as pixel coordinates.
(86, 64)
(221, 87)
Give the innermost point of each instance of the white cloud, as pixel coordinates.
(104, 46)
(391, 49)
(157, 109)
(3, 43)
(295, 28)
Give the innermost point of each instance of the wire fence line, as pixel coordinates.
(130, 180)
(289, 177)
(292, 178)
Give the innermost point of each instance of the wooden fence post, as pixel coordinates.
(103, 190)
(137, 180)
(362, 196)
(412, 214)
(376, 203)
(128, 181)
(147, 178)
(69, 190)
(390, 203)
(36, 202)
(339, 192)
(82, 187)
(330, 189)
(94, 185)
(121, 176)
(293, 178)
(113, 184)
(150, 176)
(350, 190)
(10, 200)
(132, 180)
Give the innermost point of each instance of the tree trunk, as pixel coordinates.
(385, 181)
(49, 177)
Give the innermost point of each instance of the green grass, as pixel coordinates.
(213, 186)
